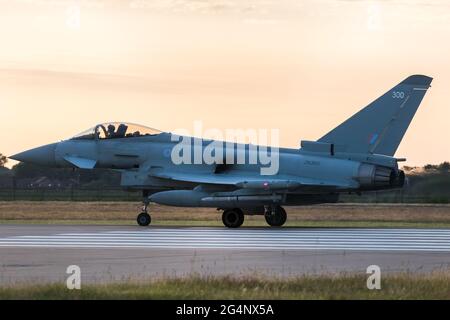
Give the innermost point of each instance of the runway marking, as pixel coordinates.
(435, 240)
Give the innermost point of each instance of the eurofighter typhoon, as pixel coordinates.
(178, 170)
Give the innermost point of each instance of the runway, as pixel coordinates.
(251, 239)
(41, 253)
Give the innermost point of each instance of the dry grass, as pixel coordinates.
(399, 286)
(61, 210)
(125, 212)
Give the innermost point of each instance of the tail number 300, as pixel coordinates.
(398, 95)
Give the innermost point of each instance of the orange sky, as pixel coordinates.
(299, 66)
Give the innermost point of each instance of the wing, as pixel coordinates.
(247, 180)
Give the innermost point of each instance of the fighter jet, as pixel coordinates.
(356, 156)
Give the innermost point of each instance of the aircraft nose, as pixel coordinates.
(44, 155)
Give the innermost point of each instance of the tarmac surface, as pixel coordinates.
(42, 253)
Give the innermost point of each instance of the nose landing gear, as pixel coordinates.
(144, 219)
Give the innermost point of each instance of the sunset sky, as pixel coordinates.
(299, 66)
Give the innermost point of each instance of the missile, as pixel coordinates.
(191, 198)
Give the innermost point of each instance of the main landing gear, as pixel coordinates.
(275, 216)
(233, 218)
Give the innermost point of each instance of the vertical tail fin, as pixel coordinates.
(379, 127)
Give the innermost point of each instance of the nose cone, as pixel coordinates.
(44, 155)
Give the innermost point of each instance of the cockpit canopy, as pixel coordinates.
(114, 130)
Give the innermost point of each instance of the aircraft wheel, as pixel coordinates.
(144, 219)
(233, 218)
(277, 219)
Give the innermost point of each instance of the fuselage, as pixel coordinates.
(299, 174)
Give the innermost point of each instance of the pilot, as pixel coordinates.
(111, 131)
(121, 130)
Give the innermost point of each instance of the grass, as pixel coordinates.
(124, 213)
(400, 286)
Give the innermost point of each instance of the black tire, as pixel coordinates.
(277, 219)
(233, 218)
(144, 219)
